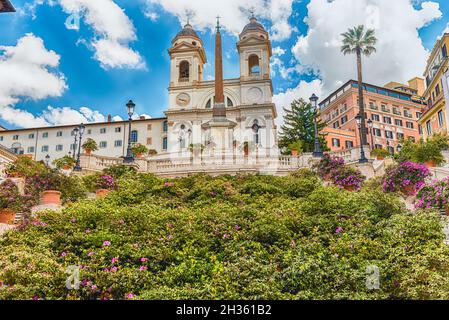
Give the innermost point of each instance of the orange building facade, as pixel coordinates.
(394, 111)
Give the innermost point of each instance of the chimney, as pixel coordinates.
(109, 118)
(142, 117)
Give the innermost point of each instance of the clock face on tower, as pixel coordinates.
(183, 99)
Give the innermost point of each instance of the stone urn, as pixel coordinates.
(7, 216)
(102, 193)
(50, 197)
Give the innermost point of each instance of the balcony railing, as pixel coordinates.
(384, 109)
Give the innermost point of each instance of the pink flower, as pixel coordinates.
(130, 296)
(143, 268)
(143, 259)
(114, 260)
(106, 243)
(73, 220)
(339, 230)
(114, 269)
(90, 254)
(63, 254)
(94, 287)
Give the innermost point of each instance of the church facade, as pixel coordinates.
(248, 112)
(222, 116)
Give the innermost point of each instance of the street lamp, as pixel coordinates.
(371, 126)
(318, 153)
(47, 160)
(399, 148)
(129, 153)
(363, 158)
(78, 168)
(75, 133)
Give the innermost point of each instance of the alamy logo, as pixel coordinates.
(73, 22)
(73, 281)
(373, 277)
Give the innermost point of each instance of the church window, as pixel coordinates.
(184, 71)
(254, 68)
(209, 104)
(256, 132)
(229, 102)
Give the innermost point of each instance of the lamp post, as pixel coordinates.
(371, 126)
(78, 168)
(75, 133)
(363, 158)
(129, 153)
(318, 153)
(47, 160)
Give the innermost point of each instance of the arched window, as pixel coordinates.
(256, 132)
(210, 103)
(254, 68)
(134, 136)
(184, 71)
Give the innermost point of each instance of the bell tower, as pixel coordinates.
(187, 58)
(255, 51)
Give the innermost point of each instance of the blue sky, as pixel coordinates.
(302, 42)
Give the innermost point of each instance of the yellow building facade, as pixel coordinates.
(435, 118)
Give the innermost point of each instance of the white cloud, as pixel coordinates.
(400, 52)
(28, 71)
(114, 31)
(234, 13)
(304, 90)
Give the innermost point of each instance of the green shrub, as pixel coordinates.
(257, 237)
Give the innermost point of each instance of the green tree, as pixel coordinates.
(360, 42)
(299, 126)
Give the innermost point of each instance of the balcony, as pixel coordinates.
(373, 107)
(397, 112)
(385, 109)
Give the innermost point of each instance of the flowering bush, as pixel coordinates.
(435, 195)
(348, 177)
(405, 175)
(328, 166)
(158, 239)
(106, 182)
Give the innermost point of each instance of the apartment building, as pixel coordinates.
(393, 111)
(435, 117)
(111, 137)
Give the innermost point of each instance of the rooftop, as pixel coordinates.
(397, 94)
(74, 125)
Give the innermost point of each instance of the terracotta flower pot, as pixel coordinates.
(88, 152)
(409, 190)
(349, 188)
(380, 158)
(294, 153)
(430, 164)
(139, 156)
(51, 197)
(446, 209)
(102, 193)
(7, 216)
(66, 167)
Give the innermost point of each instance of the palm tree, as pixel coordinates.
(360, 41)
